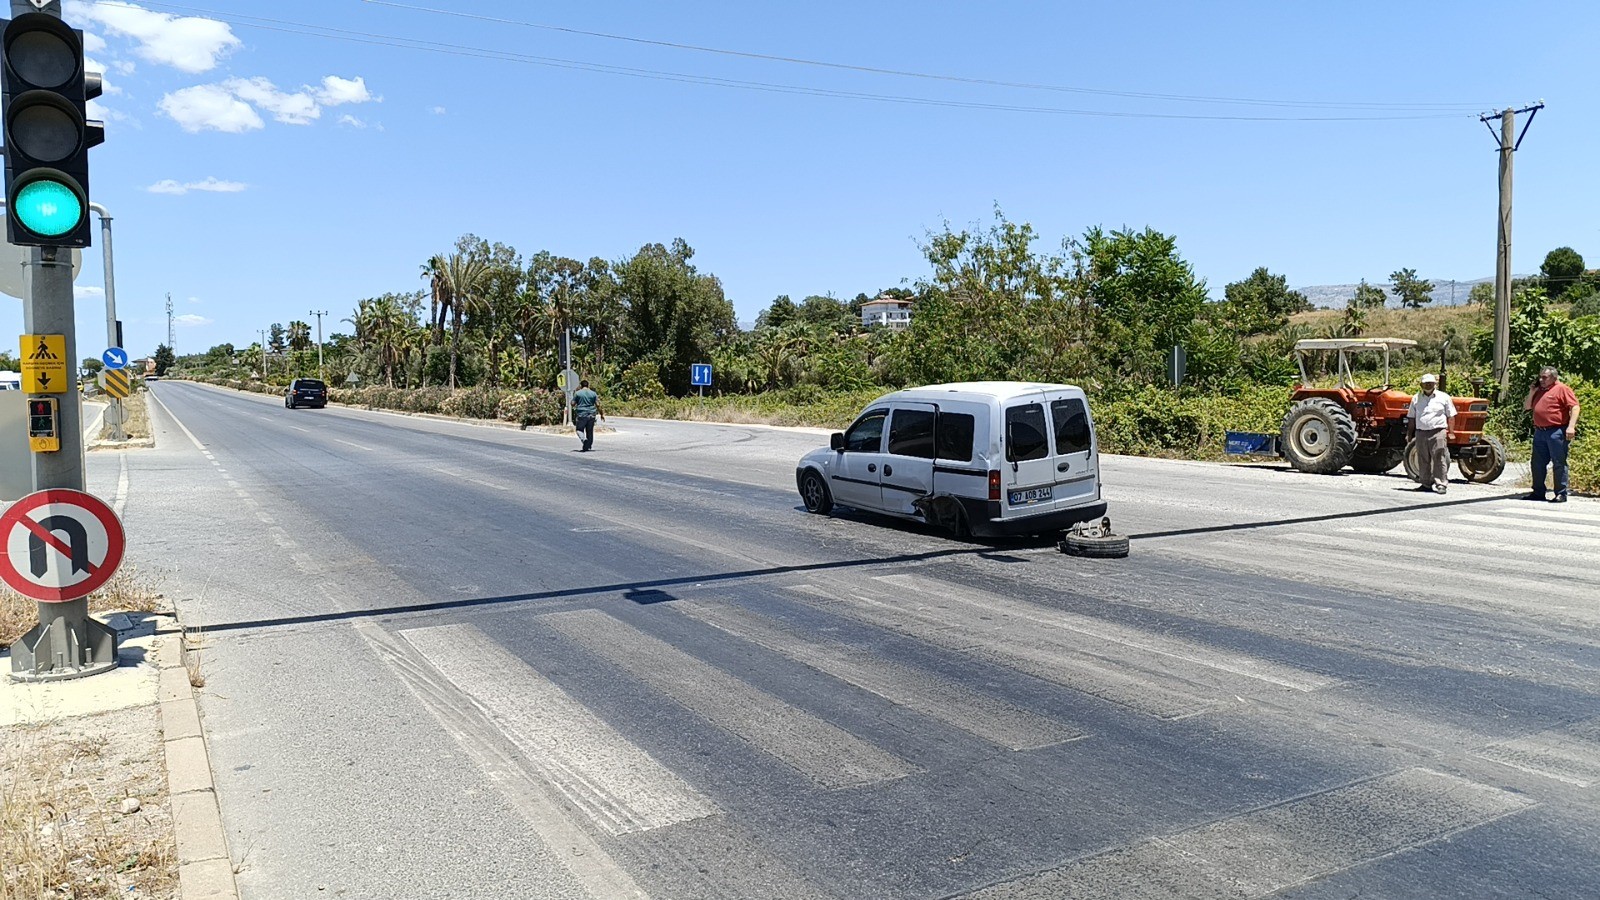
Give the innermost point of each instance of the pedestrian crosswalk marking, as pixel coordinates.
(923, 692)
(830, 756)
(600, 772)
(1566, 528)
(1572, 511)
(1265, 851)
(1452, 569)
(1570, 755)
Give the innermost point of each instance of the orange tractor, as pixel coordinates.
(1327, 429)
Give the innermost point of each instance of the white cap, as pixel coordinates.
(1430, 378)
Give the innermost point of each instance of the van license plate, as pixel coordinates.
(1031, 495)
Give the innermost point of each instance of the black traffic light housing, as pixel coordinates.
(44, 425)
(47, 132)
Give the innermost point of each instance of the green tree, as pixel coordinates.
(91, 367)
(1482, 294)
(299, 336)
(164, 359)
(1369, 296)
(277, 338)
(828, 313)
(673, 314)
(1146, 299)
(1413, 292)
(1562, 268)
(780, 313)
(1262, 302)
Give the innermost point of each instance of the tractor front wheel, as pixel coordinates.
(1318, 436)
(1378, 461)
(1484, 469)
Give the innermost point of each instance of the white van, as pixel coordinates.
(982, 458)
(10, 381)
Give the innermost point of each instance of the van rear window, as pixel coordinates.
(955, 436)
(1072, 426)
(1025, 433)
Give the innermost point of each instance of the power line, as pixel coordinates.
(363, 37)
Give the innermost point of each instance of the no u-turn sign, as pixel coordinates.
(59, 545)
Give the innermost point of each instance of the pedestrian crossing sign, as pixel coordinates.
(44, 363)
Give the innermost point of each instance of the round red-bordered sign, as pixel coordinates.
(59, 545)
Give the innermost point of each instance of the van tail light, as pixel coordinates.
(994, 484)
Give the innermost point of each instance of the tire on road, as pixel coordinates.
(1378, 461)
(1111, 546)
(1484, 471)
(1318, 436)
(815, 494)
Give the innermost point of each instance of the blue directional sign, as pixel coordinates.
(700, 375)
(115, 358)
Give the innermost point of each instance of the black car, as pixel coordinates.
(306, 392)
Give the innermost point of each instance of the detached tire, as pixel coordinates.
(1379, 461)
(1318, 436)
(814, 493)
(1483, 471)
(1113, 546)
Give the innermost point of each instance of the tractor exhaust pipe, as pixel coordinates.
(1442, 376)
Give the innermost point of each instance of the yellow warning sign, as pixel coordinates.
(116, 383)
(44, 363)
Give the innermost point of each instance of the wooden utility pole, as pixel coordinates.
(1502, 269)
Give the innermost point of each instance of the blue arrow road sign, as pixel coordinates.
(700, 375)
(115, 358)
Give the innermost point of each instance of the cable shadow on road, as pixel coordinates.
(641, 592)
(1330, 517)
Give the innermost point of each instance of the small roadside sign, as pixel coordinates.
(567, 381)
(59, 545)
(117, 383)
(700, 375)
(44, 363)
(115, 358)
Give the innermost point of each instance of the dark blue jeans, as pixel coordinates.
(1550, 449)
(586, 431)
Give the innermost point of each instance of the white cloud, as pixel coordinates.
(93, 43)
(210, 185)
(351, 121)
(210, 107)
(336, 91)
(291, 109)
(187, 43)
(88, 293)
(438, 110)
(190, 320)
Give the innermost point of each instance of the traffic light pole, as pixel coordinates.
(114, 413)
(66, 643)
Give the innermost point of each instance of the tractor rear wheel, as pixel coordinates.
(1378, 461)
(1484, 469)
(1318, 436)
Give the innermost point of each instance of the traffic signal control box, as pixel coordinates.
(48, 134)
(44, 425)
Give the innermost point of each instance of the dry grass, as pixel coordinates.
(127, 591)
(63, 835)
(136, 414)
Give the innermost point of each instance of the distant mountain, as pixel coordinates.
(1329, 296)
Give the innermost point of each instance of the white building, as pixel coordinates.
(887, 310)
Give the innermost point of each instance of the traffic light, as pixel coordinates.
(44, 425)
(47, 132)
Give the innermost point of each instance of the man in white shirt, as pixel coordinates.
(1428, 421)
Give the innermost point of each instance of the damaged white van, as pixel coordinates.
(984, 458)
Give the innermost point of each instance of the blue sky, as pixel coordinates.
(258, 168)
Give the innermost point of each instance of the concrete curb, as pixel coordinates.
(205, 870)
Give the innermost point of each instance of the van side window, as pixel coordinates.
(911, 433)
(1025, 435)
(866, 435)
(955, 436)
(1072, 426)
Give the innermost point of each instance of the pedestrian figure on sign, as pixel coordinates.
(585, 409)
(1428, 422)
(1555, 424)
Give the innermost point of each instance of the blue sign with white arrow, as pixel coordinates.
(115, 358)
(700, 375)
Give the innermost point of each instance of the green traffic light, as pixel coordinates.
(48, 208)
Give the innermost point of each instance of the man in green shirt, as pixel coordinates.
(585, 408)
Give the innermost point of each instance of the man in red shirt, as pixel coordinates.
(1555, 424)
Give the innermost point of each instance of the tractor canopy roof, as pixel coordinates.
(1363, 343)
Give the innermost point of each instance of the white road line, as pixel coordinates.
(298, 428)
(1050, 657)
(1523, 527)
(179, 422)
(121, 498)
(1570, 755)
(827, 754)
(932, 695)
(469, 479)
(1268, 850)
(1494, 537)
(616, 783)
(355, 445)
(1451, 568)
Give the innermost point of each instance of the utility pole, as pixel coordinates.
(1502, 268)
(263, 333)
(172, 336)
(319, 313)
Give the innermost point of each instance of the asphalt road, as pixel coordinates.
(447, 660)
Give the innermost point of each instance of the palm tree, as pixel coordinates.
(463, 275)
(440, 298)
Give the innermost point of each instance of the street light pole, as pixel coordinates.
(319, 313)
(263, 333)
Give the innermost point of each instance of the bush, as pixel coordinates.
(536, 407)
(640, 381)
(472, 403)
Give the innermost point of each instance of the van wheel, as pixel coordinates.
(815, 494)
(1111, 546)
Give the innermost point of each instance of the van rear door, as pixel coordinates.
(1077, 476)
(1029, 468)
